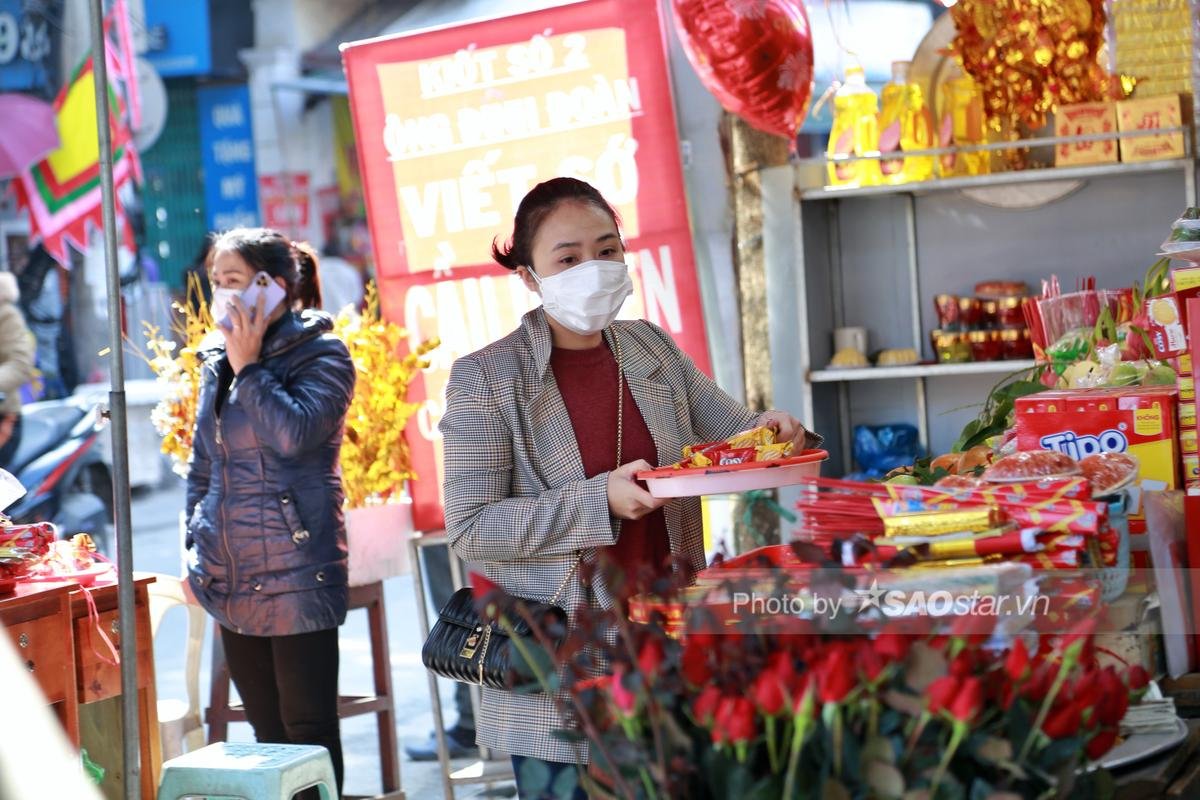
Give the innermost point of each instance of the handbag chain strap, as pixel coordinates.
(620, 440)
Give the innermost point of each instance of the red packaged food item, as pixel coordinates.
(970, 312)
(734, 455)
(1015, 343)
(961, 482)
(946, 306)
(1138, 420)
(1109, 472)
(985, 345)
(1009, 313)
(1031, 464)
(994, 290)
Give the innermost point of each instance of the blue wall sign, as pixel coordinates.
(227, 153)
(29, 43)
(179, 36)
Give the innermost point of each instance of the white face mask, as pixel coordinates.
(587, 297)
(221, 300)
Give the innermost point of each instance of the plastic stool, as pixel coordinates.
(251, 771)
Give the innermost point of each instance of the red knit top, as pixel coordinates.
(587, 380)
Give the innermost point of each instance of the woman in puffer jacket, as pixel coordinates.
(17, 352)
(266, 538)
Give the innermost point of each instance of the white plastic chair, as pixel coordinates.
(179, 722)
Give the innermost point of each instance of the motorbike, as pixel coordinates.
(66, 479)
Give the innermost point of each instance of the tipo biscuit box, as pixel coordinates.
(1139, 420)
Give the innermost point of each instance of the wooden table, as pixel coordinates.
(52, 628)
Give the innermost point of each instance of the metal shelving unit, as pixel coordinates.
(920, 371)
(789, 273)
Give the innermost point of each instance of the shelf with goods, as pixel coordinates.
(875, 257)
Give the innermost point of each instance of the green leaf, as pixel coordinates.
(532, 667)
(981, 789)
(884, 779)
(879, 748)
(565, 784)
(534, 776)
(994, 750)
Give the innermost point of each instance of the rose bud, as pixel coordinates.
(625, 701)
(1016, 663)
(968, 701)
(650, 658)
(942, 692)
(734, 721)
(892, 646)
(769, 692)
(694, 663)
(835, 675)
(1063, 721)
(1101, 743)
(704, 707)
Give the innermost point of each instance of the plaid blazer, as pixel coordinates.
(518, 504)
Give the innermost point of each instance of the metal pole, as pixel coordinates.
(131, 739)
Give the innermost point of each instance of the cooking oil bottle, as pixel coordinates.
(855, 132)
(962, 124)
(905, 124)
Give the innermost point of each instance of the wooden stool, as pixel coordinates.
(220, 713)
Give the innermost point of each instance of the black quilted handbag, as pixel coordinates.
(463, 647)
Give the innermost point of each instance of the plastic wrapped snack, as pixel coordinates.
(1031, 464)
(752, 438)
(1108, 472)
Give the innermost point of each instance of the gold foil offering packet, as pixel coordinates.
(936, 523)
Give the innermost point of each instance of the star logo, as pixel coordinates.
(869, 598)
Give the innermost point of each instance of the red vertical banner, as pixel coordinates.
(285, 202)
(454, 125)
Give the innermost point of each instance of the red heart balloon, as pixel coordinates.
(755, 56)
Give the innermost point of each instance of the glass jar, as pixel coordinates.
(1016, 343)
(1009, 313)
(970, 312)
(951, 347)
(946, 306)
(985, 345)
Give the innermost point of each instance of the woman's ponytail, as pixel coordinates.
(307, 293)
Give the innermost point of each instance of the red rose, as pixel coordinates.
(968, 701)
(1064, 720)
(892, 646)
(941, 692)
(835, 675)
(1016, 663)
(870, 663)
(1086, 690)
(624, 701)
(1101, 743)
(486, 593)
(1080, 640)
(1040, 680)
(650, 659)
(1114, 700)
(694, 663)
(972, 629)
(734, 722)
(802, 695)
(1138, 677)
(962, 664)
(769, 692)
(704, 707)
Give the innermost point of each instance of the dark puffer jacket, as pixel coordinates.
(266, 538)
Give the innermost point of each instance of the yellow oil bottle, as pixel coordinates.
(855, 132)
(905, 124)
(962, 124)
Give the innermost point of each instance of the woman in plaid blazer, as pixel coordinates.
(535, 424)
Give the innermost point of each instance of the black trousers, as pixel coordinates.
(289, 686)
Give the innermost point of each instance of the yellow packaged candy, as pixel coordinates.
(752, 438)
(771, 452)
